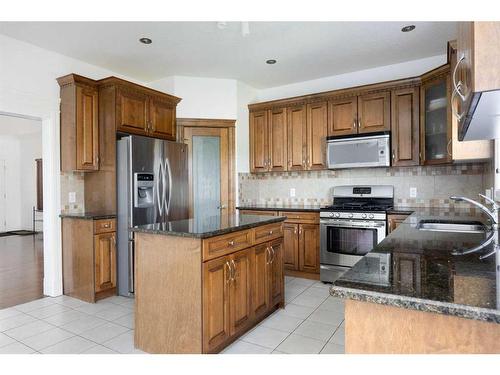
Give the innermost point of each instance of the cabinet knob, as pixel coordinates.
(270, 232)
(231, 243)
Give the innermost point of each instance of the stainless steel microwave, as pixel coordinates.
(356, 151)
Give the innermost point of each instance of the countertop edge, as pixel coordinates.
(271, 220)
(279, 208)
(89, 216)
(419, 304)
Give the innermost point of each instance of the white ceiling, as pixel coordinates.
(17, 126)
(304, 50)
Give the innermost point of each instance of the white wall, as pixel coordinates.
(9, 151)
(28, 87)
(359, 78)
(30, 146)
(246, 94)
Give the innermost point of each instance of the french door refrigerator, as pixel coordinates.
(152, 187)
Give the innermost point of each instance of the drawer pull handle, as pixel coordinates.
(106, 225)
(270, 232)
(231, 243)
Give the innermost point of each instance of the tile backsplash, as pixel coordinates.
(72, 182)
(434, 184)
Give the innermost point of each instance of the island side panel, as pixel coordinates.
(380, 329)
(168, 309)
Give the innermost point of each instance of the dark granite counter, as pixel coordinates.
(89, 215)
(401, 210)
(265, 207)
(208, 226)
(423, 274)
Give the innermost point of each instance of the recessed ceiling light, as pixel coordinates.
(408, 28)
(271, 61)
(145, 41)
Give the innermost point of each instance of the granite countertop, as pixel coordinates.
(208, 226)
(278, 207)
(89, 215)
(423, 274)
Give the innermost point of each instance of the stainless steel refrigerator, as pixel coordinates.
(152, 187)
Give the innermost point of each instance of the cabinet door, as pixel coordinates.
(290, 246)
(309, 248)
(162, 119)
(374, 112)
(216, 318)
(317, 128)
(260, 288)
(240, 297)
(87, 129)
(405, 127)
(105, 261)
(435, 124)
(393, 221)
(276, 282)
(297, 138)
(277, 140)
(342, 117)
(132, 112)
(259, 141)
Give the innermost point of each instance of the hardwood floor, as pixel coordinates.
(21, 269)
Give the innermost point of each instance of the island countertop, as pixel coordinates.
(208, 226)
(280, 207)
(424, 274)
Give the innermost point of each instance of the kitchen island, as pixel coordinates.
(416, 293)
(201, 283)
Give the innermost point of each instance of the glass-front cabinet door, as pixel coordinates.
(436, 140)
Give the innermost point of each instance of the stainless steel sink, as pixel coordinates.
(452, 226)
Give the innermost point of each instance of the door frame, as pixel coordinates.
(3, 186)
(195, 123)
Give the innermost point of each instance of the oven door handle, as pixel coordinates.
(351, 224)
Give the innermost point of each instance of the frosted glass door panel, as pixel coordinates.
(206, 176)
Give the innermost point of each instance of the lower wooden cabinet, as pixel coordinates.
(301, 247)
(89, 258)
(238, 290)
(393, 221)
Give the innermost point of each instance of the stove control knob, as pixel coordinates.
(363, 216)
(351, 215)
(332, 214)
(337, 214)
(370, 216)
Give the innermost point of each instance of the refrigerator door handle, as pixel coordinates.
(131, 266)
(160, 194)
(168, 169)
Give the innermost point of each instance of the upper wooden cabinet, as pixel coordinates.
(79, 124)
(366, 113)
(405, 127)
(277, 138)
(259, 153)
(297, 138)
(374, 112)
(131, 111)
(317, 128)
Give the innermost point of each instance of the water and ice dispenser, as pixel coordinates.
(143, 190)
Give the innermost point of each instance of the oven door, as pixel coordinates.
(344, 242)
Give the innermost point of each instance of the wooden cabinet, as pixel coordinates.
(297, 137)
(89, 258)
(435, 119)
(240, 292)
(277, 149)
(309, 248)
(290, 246)
(258, 212)
(260, 293)
(317, 129)
(405, 127)
(162, 118)
(79, 124)
(407, 273)
(394, 220)
(105, 261)
(364, 113)
(275, 271)
(259, 153)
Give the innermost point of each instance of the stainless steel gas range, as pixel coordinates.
(352, 226)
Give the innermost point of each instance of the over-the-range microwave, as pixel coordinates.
(360, 150)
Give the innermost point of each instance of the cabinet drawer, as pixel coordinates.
(268, 232)
(104, 226)
(258, 212)
(300, 217)
(228, 243)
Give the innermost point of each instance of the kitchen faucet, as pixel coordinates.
(492, 237)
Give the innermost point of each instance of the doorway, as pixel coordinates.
(21, 237)
(211, 166)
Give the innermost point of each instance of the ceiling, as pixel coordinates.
(17, 126)
(304, 50)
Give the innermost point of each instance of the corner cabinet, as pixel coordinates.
(79, 124)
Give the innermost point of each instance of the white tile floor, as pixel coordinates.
(312, 322)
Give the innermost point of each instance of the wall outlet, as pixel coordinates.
(413, 192)
(292, 192)
(72, 197)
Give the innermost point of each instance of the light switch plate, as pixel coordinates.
(72, 197)
(413, 192)
(292, 192)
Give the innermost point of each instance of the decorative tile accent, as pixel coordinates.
(72, 182)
